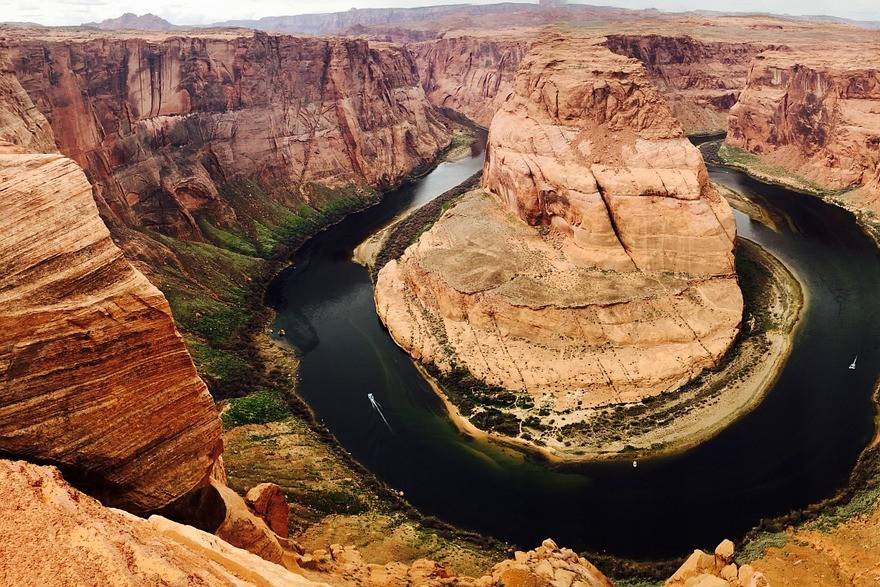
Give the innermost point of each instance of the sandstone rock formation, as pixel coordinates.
(548, 565)
(159, 127)
(598, 270)
(700, 80)
(95, 377)
(470, 75)
(815, 113)
(92, 545)
(21, 123)
(267, 501)
(716, 570)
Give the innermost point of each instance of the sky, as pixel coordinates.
(63, 12)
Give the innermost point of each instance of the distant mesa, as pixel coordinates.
(133, 22)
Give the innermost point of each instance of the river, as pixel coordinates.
(797, 447)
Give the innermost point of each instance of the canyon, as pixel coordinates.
(596, 233)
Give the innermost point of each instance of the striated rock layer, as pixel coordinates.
(21, 123)
(93, 374)
(816, 115)
(159, 127)
(470, 75)
(599, 267)
(700, 80)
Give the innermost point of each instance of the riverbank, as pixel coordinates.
(390, 242)
(716, 152)
(834, 541)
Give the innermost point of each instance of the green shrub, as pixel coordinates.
(259, 407)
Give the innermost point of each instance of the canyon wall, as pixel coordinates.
(816, 116)
(159, 127)
(95, 377)
(596, 268)
(21, 123)
(700, 80)
(470, 75)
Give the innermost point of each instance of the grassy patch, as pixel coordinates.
(756, 548)
(637, 582)
(226, 239)
(260, 407)
(219, 365)
(862, 503)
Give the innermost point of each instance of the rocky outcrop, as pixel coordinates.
(700, 80)
(547, 565)
(90, 544)
(470, 75)
(599, 267)
(716, 570)
(93, 374)
(267, 500)
(816, 115)
(160, 127)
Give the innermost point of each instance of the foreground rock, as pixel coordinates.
(813, 119)
(93, 545)
(95, 376)
(547, 565)
(597, 266)
(716, 570)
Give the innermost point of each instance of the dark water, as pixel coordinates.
(796, 448)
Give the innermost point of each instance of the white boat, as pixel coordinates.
(853, 365)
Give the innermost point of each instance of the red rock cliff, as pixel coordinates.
(471, 75)
(158, 126)
(93, 374)
(700, 79)
(816, 114)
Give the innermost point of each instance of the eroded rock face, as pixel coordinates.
(93, 545)
(817, 115)
(700, 80)
(597, 266)
(94, 375)
(716, 570)
(160, 127)
(21, 123)
(470, 75)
